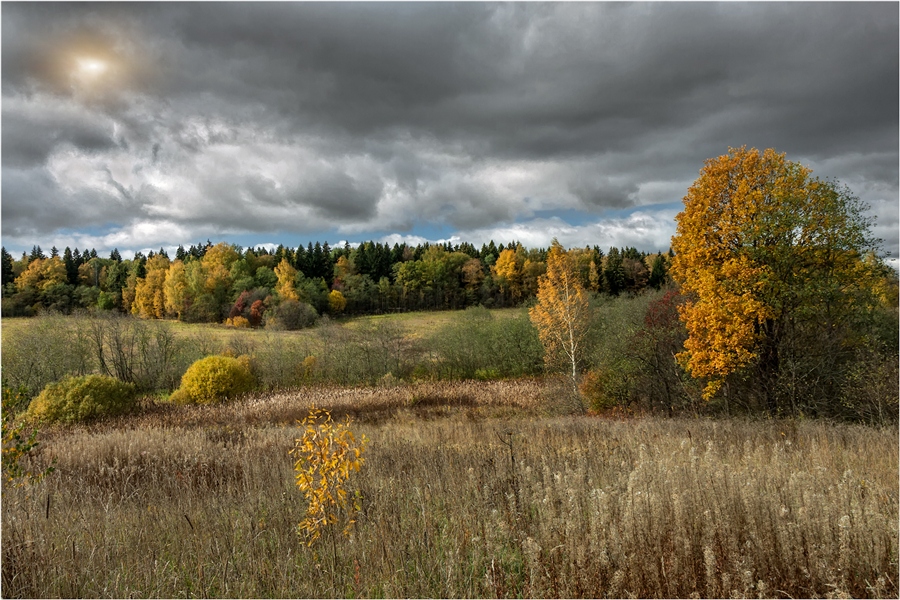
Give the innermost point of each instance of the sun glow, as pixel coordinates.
(92, 67)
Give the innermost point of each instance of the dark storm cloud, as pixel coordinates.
(31, 132)
(372, 116)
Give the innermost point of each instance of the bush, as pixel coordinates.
(603, 390)
(238, 321)
(475, 344)
(79, 399)
(17, 443)
(361, 355)
(291, 315)
(214, 379)
(277, 361)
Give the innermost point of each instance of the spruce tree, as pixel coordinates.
(657, 272)
(71, 266)
(614, 273)
(7, 275)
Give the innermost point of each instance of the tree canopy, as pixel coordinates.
(207, 281)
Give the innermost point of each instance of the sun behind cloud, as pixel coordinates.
(92, 73)
(92, 67)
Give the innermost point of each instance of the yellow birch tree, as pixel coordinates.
(175, 289)
(562, 314)
(507, 272)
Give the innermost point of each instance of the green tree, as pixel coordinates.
(614, 272)
(657, 272)
(7, 276)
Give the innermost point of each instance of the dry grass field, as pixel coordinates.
(469, 490)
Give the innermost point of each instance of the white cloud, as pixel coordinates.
(643, 230)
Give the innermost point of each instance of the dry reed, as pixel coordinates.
(470, 490)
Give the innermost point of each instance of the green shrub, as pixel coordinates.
(214, 379)
(79, 399)
(291, 315)
(475, 344)
(364, 354)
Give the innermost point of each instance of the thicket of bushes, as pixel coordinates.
(153, 357)
(478, 345)
(629, 363)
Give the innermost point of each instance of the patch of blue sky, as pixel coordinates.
(570, 216)
(624, 213)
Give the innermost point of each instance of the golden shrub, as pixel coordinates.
(213, 379)
(598, 387)
(78, 399)
(237, 321)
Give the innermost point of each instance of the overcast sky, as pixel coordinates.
(141, 126)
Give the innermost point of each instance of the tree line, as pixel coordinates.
(289, 287)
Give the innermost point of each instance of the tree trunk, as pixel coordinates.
(769, 366)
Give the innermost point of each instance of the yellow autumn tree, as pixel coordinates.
(42, 273)
(149, 294)
(507, 272)
(562, 314)
(217, 263)
(761, 248)
(287, 276)
(175, 289)
(472, 274)
(336, 302)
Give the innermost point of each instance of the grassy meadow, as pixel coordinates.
(469, 489)
(414, 324)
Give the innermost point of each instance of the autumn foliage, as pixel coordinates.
(562, 314)
(764, 251)
(80, 399)
(213, 379)
(326, 454)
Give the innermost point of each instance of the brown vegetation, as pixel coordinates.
(469, 489)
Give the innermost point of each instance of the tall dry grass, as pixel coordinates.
(469, 490)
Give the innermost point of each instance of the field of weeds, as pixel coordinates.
(468, 490)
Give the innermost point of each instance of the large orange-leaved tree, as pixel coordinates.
(764, 251)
